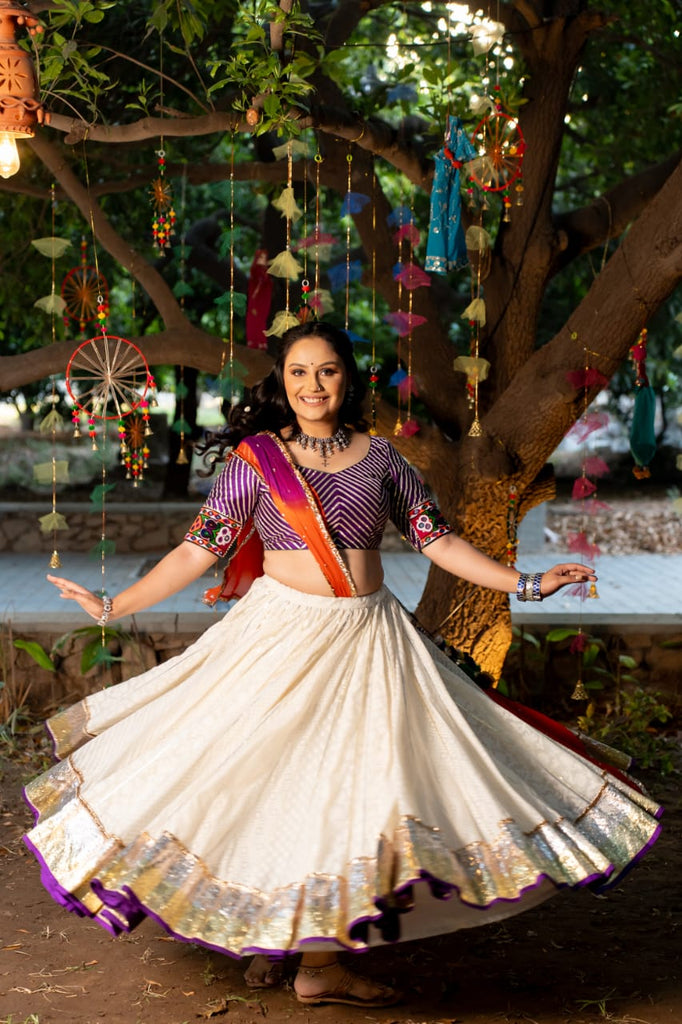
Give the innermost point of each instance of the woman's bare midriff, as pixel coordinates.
(299, 570)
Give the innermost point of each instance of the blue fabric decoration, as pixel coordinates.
(339, 273)
(357, 339)
(397, 267)
(397, 377)
(353, 202)
(400, 215)
(446, 248)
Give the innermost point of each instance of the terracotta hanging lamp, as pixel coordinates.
(20, 108)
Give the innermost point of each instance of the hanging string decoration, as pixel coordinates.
(285, 264)
(161, 192)
(80, 290)
(52, 422)
(642, 427)
(584, 493)
(500, 147)
(108, 378)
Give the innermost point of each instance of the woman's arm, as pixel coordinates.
(460, 558)
(181, 566)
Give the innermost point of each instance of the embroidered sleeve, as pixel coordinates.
(213, 531)
(427, 523)
(227, 508)
(413, 510)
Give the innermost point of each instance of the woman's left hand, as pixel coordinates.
(565, 574)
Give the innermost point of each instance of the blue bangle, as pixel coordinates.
(521, 587)
(537, 580)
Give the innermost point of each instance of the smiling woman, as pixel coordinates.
(323, 778)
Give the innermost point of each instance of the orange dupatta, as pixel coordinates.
(298, 505)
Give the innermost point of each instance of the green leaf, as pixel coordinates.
(556, 635)
(37, 652)
(181, 389)
(627, 661)
(181, 426)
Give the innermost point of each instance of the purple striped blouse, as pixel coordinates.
(357, 503)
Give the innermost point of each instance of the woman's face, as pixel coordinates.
(315, 383)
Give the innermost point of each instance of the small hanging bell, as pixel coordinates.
(55, 560)
(592, 592)
(475, 430)
(579, 693)
(182, 459)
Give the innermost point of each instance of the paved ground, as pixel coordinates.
(644, 589)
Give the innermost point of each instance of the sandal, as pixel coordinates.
(263, 972)
(383, 995)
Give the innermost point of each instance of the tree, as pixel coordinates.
(595, 91)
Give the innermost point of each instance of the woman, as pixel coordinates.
(312, 775)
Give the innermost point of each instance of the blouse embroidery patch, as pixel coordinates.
(213, 531)
(427, 523)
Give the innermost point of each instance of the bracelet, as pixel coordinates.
(107, 609)
(528, 587)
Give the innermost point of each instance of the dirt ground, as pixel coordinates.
(579, 959)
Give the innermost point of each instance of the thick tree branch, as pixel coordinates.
(608, 216)
(161, 295)
(637, 279)
(181, 345)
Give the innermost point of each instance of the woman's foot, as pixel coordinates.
(333, 983)
(263, 973)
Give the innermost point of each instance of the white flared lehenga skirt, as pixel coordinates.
(312, 773)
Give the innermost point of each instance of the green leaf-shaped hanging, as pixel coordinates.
(103, 548)
(51, 246)
(43, 472)
(51, 304)
(282, 322)
(181, 426)
(99, 493)
(52, 521)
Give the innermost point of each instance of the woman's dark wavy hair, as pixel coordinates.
(265, 406)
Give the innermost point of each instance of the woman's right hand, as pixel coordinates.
(71, 591)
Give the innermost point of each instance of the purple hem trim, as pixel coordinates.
(386, 919)
(32, 808)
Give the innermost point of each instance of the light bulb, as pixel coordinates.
(9, 155)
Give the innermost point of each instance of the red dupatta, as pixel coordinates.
(298, 505)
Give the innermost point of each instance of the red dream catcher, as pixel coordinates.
(82, 289)
(500, 145)
(108, 379)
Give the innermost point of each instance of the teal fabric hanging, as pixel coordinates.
(445, 248)
(642, 435)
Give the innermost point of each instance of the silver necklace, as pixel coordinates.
(326, 446)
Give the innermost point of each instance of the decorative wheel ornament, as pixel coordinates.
(108, 379)
(80, 290)
(500, 146)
